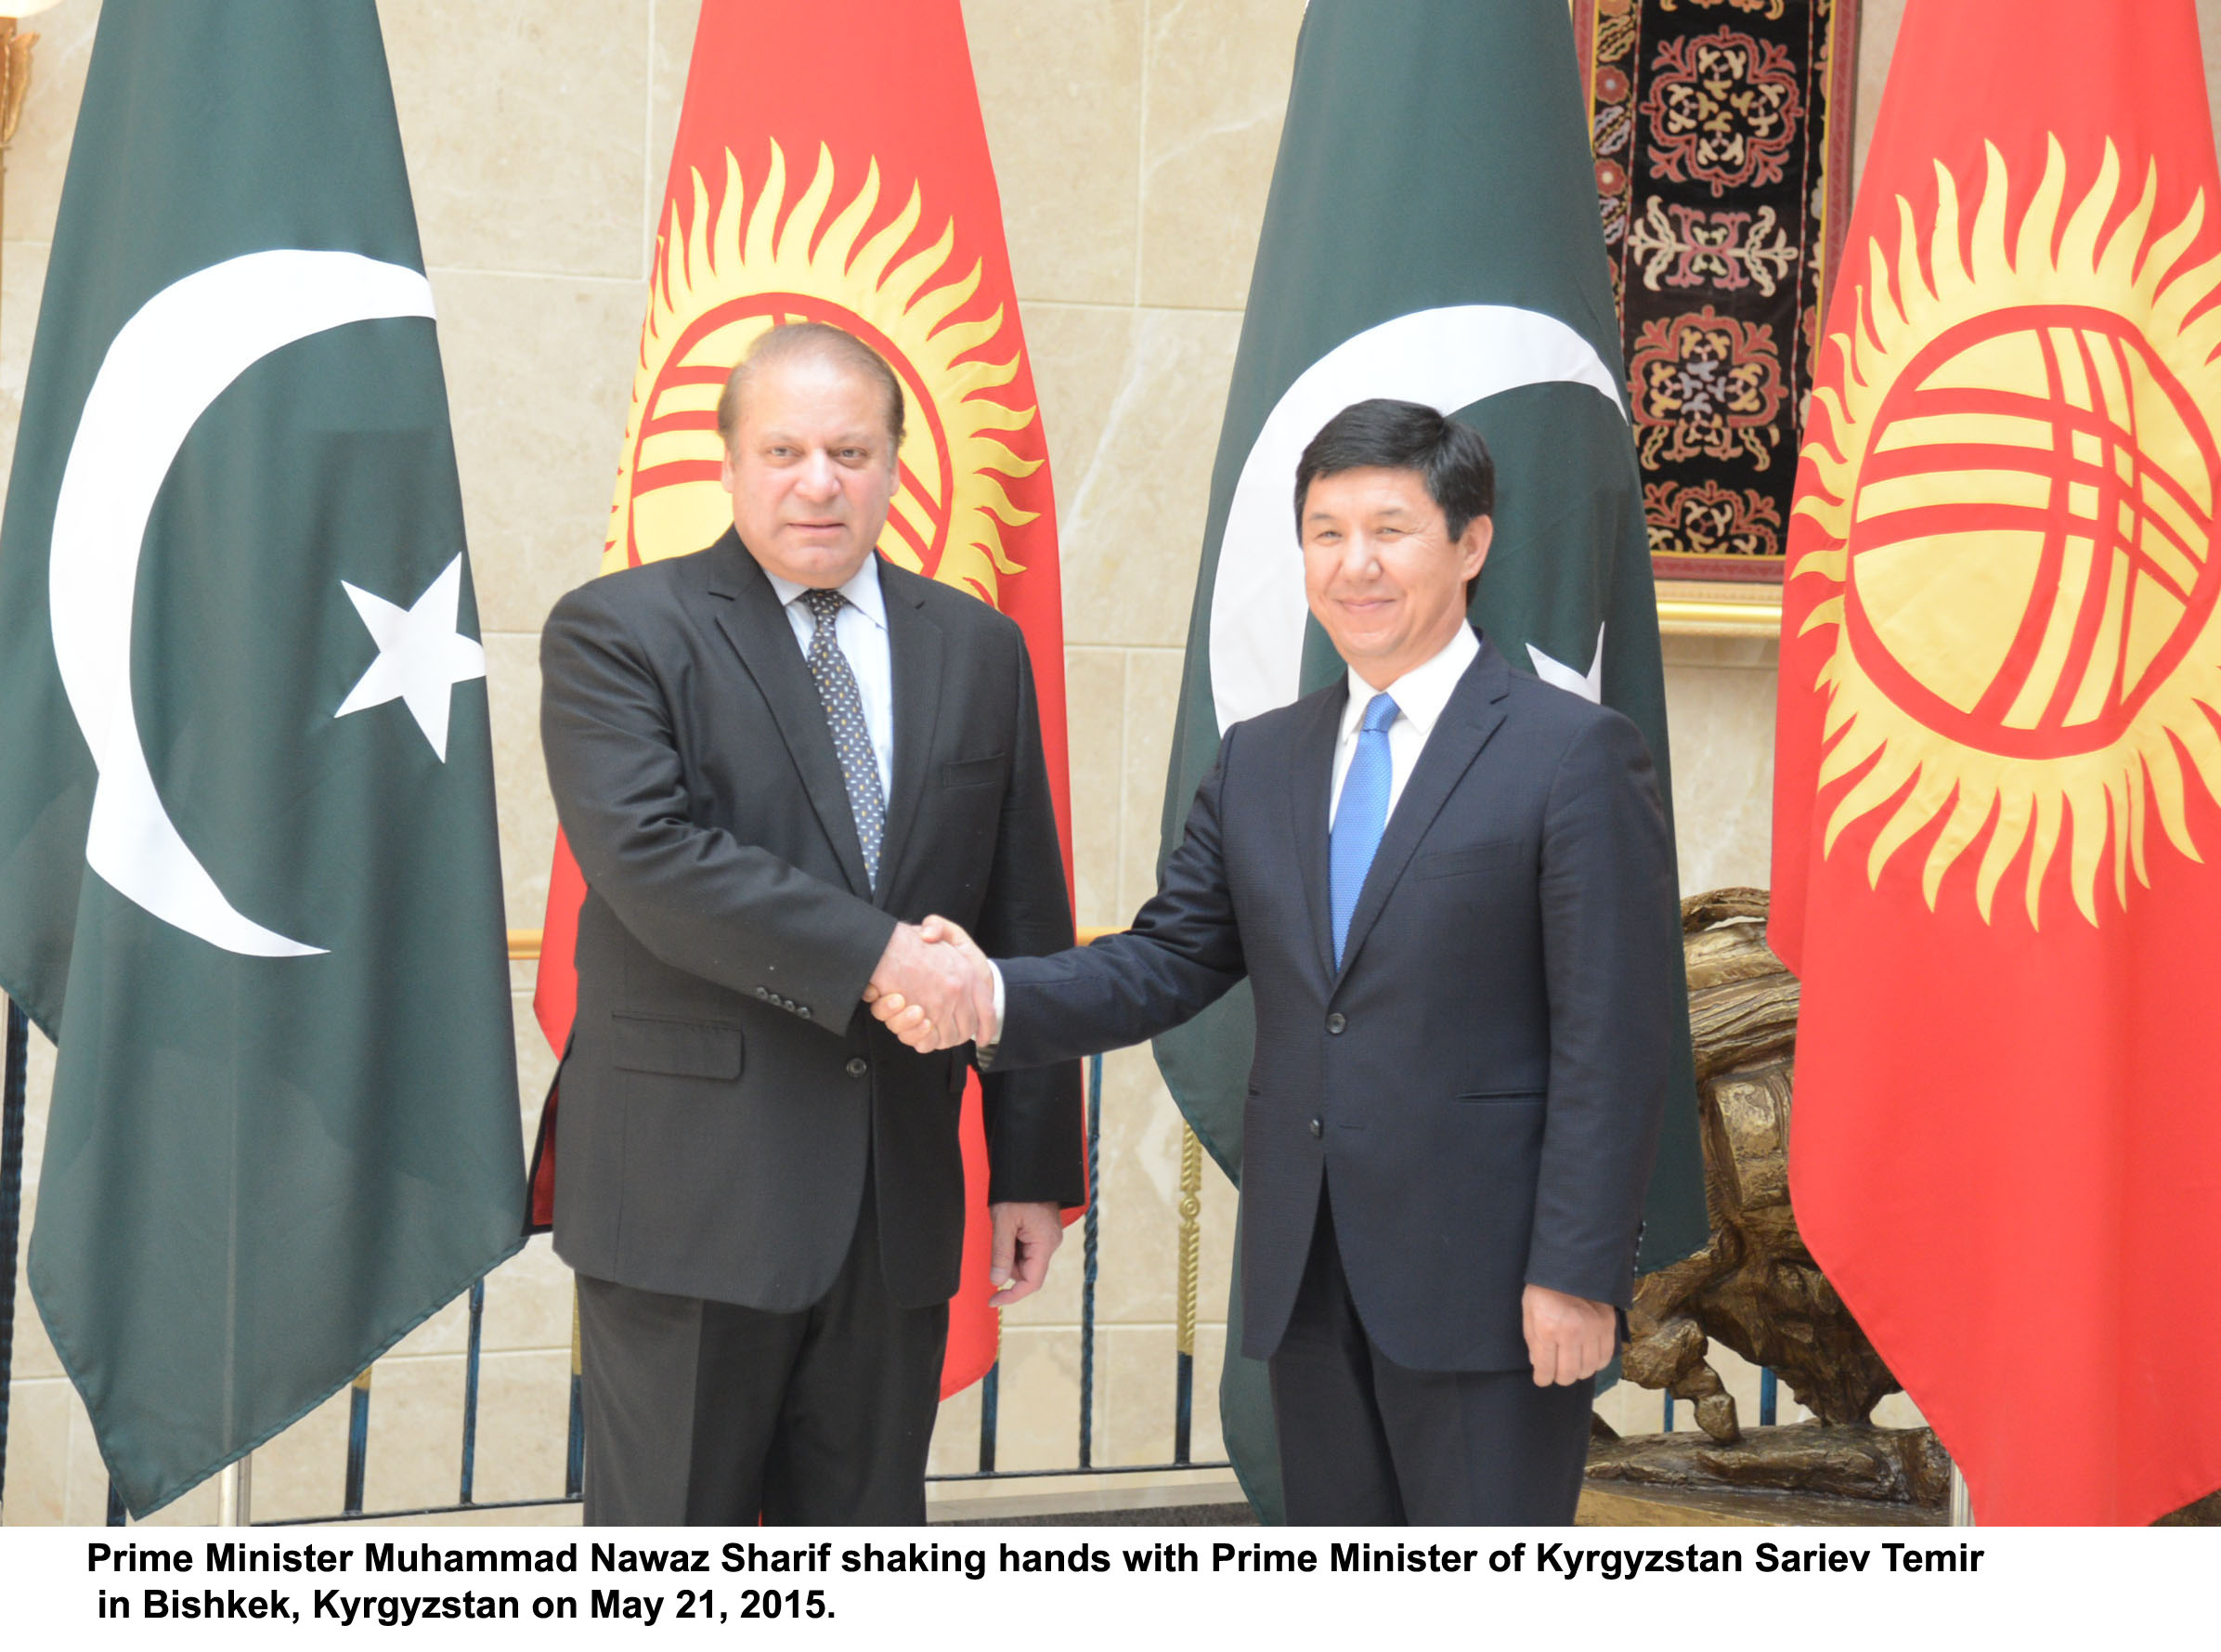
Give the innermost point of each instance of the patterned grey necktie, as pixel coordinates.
(844, 713)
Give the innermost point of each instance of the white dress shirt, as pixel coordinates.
(1420, 694)
(861, 630)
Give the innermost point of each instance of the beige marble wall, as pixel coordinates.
(1134, 141)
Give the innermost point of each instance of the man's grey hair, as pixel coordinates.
(826, 343)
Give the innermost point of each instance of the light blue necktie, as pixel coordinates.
(1361, 818)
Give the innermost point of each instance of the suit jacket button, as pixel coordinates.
(1318, 1128)
(803, 1012)
(858, 1067)
(1336, 1021)
(763, 991)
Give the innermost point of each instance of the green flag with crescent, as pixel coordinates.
(1432, 235)
(248, 881)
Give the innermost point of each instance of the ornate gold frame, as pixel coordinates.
(1719, 608)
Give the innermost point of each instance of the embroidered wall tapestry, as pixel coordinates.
(1722, 133)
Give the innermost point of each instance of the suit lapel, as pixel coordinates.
(1310, 782)
(1475, 713)
(748, 611)
(914, 642)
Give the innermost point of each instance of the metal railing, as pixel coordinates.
(523, 946)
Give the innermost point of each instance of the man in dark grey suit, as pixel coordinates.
(1451, 888)
(766, 755)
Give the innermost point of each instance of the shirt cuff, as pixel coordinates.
(985, 1047)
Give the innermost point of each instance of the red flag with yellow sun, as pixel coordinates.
(1997, 845)
(860, 195)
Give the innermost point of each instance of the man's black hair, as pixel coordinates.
(1403, 436)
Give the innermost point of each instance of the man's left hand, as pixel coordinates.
(1569, 1338)
(1025, 1237)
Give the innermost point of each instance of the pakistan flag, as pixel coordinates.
(248, 881)
(1432, 235)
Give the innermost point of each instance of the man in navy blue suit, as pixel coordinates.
(1451, 888)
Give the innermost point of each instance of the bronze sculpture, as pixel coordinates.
(1755, 1287)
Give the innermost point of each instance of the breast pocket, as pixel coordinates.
(973, 771)
(677, 1048)
(1470, 860)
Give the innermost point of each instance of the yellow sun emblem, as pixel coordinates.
(733, 269)
(2018, 488)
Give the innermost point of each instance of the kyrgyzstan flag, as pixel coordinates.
(1997, 846)
(865, 200)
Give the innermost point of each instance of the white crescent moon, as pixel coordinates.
(1446, 358)
(165, 367)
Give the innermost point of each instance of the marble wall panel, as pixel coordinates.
(1094, 705)
(1139, 1394)
(1214, 87)
(1037, 1420)
(2209, 32)
(528, 1302)
(38, 1452)
(534, 1060)
(22, 279)
(540, 378)
(1153, 706)
(1081, 354)
(524, 126)
(1140, 1192)
(1133, 513)
(670, 48)
(527, 812)
(445, 1331)
(523, 1422)
(956, 1435)
(1060, 96)
(1720, 703)
(1206, 1440)
(40, 153)
(415, 1455)
(1878, 23)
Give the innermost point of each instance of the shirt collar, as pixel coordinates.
(1421, 692)
(863, 591)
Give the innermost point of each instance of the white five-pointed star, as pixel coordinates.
(1591, 687)
(421, 655)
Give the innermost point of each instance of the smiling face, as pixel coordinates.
(1381, 571)
(810, 468)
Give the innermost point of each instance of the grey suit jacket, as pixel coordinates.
(724, 1089)
(1481, 1083)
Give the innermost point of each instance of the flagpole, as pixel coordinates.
(235, 1493)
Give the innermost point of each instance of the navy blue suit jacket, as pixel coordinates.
(1482, 1082)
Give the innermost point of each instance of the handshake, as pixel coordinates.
(934, 988)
